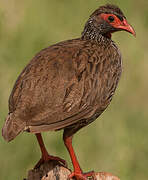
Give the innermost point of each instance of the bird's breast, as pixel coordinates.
(101, 78)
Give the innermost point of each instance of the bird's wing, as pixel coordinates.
(53, 89)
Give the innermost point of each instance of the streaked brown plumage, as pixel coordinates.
(69, 84)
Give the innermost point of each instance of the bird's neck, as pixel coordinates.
(92, 33)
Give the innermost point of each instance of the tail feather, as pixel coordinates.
(12, 127)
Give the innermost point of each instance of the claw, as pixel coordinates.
(50, 158)
(83, 176)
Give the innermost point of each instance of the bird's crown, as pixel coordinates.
(108, 9)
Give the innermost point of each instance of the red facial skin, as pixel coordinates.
(118, 24)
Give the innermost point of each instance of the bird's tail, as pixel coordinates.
(12, 127)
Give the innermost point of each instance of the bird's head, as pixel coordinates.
(106, 20)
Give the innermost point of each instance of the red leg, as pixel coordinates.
(45, 156)
(78, 174)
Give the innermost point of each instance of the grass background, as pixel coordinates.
(118, 141)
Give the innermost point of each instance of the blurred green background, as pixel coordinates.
(118, 141)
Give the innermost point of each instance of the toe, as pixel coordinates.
(41, 161)
(62, 161)
(83, 176)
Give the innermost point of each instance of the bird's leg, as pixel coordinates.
(45, 156)
(77, 173)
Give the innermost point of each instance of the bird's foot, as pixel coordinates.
(83, 176)
(50, 158)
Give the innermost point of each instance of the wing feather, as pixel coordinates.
(48, 93)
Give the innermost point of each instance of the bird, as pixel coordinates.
(68, 85)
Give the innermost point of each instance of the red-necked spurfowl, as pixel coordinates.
(69, 84)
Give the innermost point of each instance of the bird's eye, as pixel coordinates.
(111, 18)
